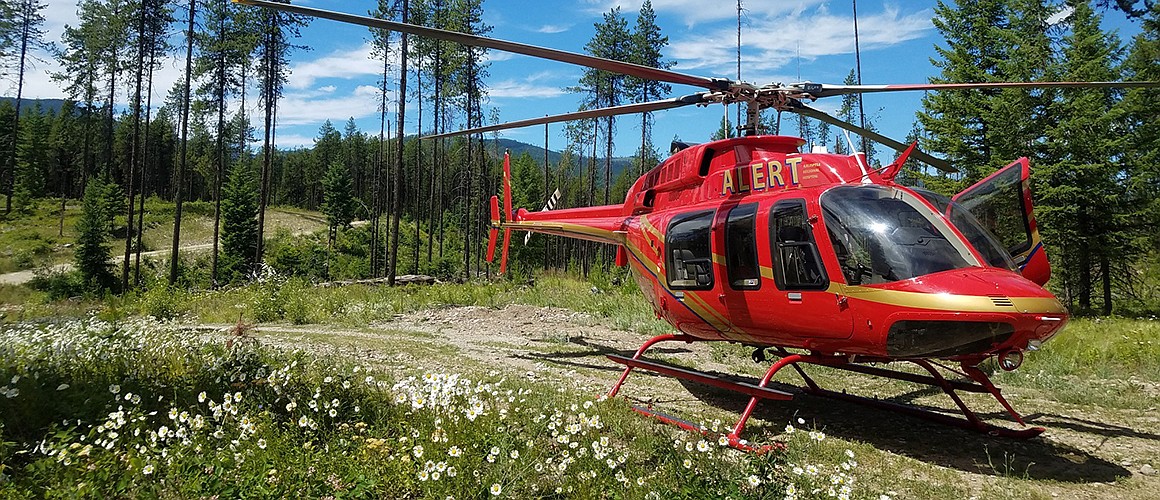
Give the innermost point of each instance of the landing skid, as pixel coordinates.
(979, 383)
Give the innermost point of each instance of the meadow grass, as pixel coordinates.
(137, 408)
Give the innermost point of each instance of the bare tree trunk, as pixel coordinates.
(179, 183)
(397, 206)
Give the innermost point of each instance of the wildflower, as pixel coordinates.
(262, 443)
(496, 489)
(514, 454)
(789, 429)
(303, 421)
(114, 388)
(702, 446)
(147, 470)
(417, 450)
(173, 414)
(423, 475)
(688, 464)
(753, 480)
(333, 413)
(849, 453)
(201, 397)
(454, 451)
(723, 441)
(801, 421)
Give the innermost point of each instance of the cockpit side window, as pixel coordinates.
(689, 254)
(797, 265)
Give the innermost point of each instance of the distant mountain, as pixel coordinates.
(47, 104)
(517, 148)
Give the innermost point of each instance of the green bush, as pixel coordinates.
(59, 285)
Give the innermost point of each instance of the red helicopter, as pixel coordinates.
(750, 240)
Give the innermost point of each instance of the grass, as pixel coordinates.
(32, 239)
(143, 408)
(1102, 366)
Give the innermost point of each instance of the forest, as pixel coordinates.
(117, 154)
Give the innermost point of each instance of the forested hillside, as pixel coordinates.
(1095, 153)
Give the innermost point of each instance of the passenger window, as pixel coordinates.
(797, 265)
(690, 257)
(741, 248)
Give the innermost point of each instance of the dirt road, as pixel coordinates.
(1087, 452)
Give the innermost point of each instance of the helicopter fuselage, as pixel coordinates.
(748, 240)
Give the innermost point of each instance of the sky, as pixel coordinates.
(782, 41)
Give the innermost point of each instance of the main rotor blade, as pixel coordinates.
(600, 63)
(626, 109)
(945, 166)
(819, 90)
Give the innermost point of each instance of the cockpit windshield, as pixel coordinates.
(883, 234)
(983, 240)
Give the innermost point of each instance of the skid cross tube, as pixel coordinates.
(970, 422)
(979, 383)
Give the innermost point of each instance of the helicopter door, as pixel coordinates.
(735, 238)
(800, 303)
(1002, 203)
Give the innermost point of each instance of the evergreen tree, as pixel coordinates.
(26, 33)
(1081, 191)
(612, 40)
(221, 55)
(34, 156)
(273, 50)
(92, 251)
(972, 53)
(338, 204)
(239, 224)
(647, 43)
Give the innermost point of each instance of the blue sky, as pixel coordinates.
(782, 41)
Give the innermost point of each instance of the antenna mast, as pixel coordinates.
(858, 74)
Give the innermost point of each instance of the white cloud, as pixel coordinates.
(327, 89)
(522, 88)
(345, 63)
(766, 50)
(307, 109)
(1060, 16)
(553, 28)
(698, 11)
(290, 141)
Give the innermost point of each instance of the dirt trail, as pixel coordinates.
(22, 277)
(1087, 452)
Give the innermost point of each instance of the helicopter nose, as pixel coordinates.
(966, 313)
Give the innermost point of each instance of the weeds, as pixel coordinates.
(142, 408)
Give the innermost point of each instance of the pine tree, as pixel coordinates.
(239, 224)
(647, 43)
(274, 47)
(27, 33)
(92, 251)
(338, 204)
(221, 54)
(972, 54)
(179, 180)
(1081, 191)
(33, 157)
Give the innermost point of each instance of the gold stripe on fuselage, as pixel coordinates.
(952, 302)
